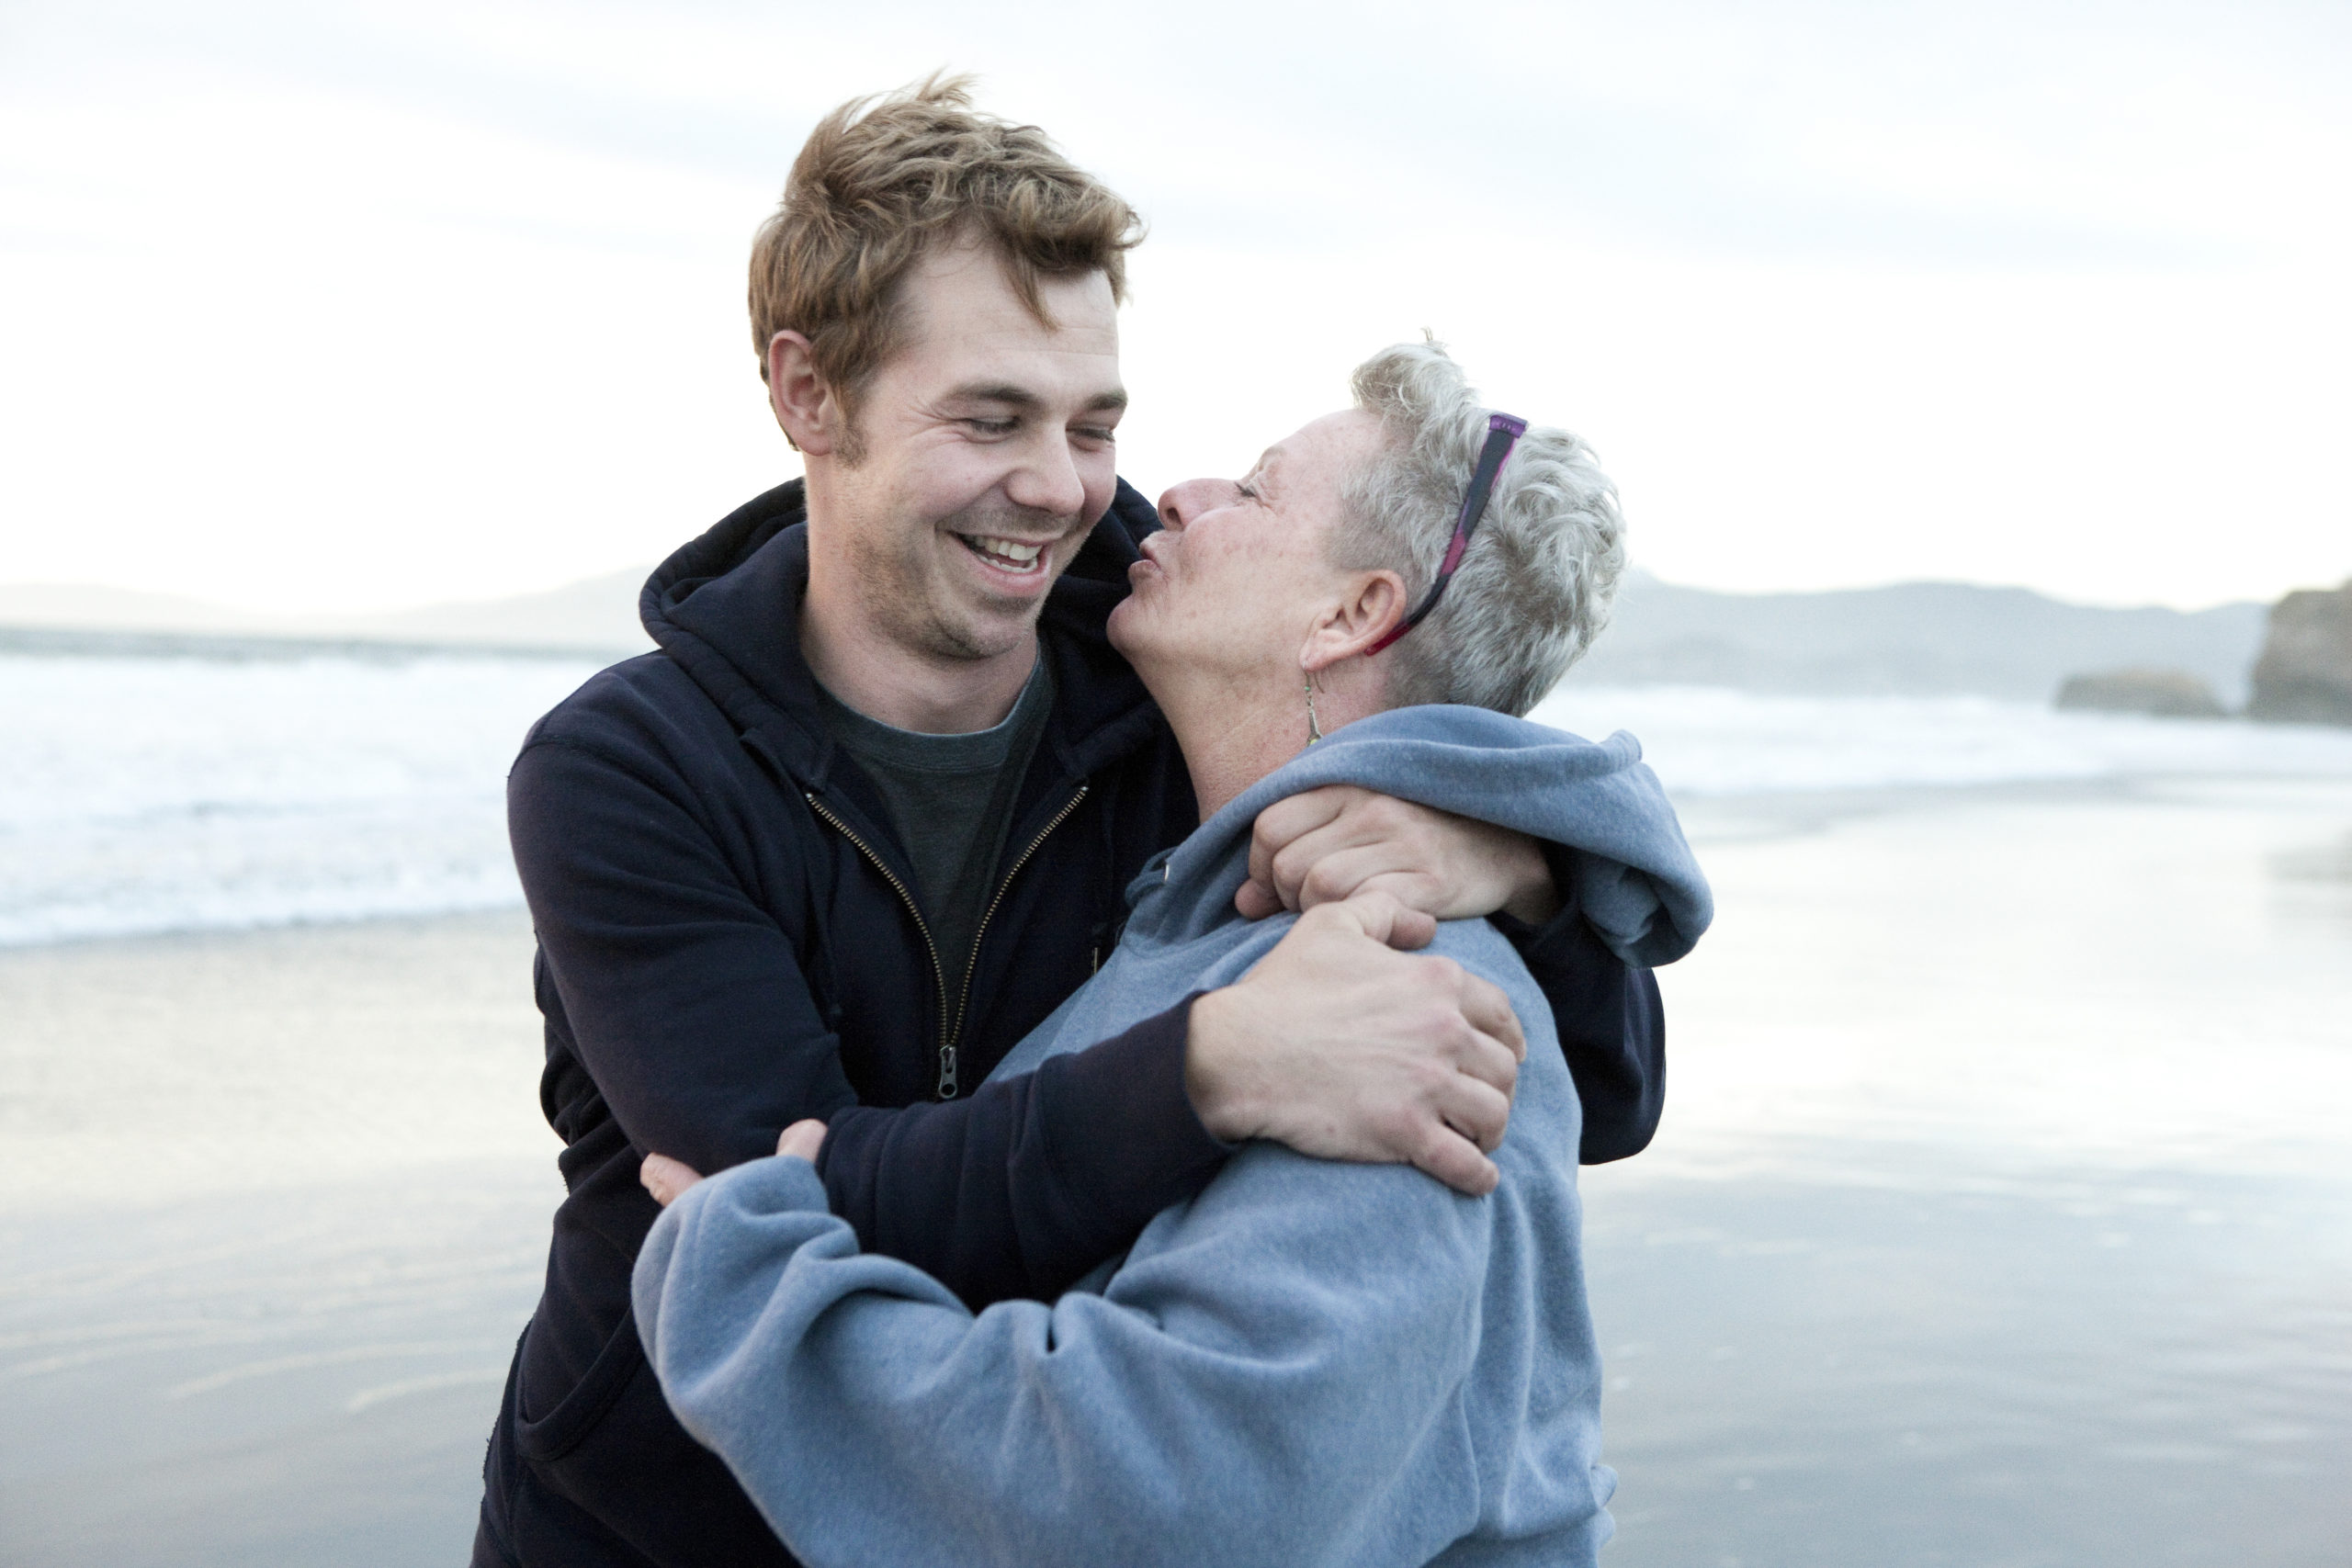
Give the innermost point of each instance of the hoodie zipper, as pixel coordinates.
(938, 970)
(980, 931)
(950, 1034)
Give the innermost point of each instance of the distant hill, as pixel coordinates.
(1913, 637)
(596, 616)
(1917, 637)
(80, 607)
(599, 612)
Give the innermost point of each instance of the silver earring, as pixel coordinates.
(1314, 730)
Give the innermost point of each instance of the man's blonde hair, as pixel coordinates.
(883, 179)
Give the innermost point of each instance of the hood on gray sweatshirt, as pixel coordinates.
(1635, 879)
(1311, 1362)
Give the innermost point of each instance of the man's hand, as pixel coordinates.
(666, 1178)
(1344, 1049)
(1334, 842)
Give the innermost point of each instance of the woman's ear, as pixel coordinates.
(1373, 601)
(804, 407)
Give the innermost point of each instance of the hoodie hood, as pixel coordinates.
(1635, 879)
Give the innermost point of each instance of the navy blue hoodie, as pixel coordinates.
(728, 943)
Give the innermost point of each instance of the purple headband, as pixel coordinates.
(1502, 434)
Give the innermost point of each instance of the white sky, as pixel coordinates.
(311, 307)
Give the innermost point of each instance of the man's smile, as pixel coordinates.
(1010, 555)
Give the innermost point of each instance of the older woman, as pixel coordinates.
(1310, 1362)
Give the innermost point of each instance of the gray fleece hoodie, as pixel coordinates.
(1309, 1363)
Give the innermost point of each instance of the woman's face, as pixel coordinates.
(1242, 567)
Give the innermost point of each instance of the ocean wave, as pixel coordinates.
(144, 795)
(1711, 741)
(152, 794)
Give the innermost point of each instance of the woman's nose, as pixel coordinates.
(1179, 504)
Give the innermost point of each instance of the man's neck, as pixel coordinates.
(904, 689)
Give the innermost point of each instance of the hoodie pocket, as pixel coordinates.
(549, 1438)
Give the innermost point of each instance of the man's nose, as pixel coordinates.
(1048, 481)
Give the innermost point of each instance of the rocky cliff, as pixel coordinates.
(2304, 675)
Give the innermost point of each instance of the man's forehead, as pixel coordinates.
(967, 293)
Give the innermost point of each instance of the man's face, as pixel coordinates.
(1230, 586)
(985, 456)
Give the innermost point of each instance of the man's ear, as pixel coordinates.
(1373, 601)
(806, 409)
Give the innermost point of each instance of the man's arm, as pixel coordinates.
(1334, 1044)
(1020, 1188)
(687, 1004)
(1612, 1025)
(684, 998)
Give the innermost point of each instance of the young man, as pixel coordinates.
(868, 817)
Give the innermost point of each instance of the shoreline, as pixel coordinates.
(1710, 818)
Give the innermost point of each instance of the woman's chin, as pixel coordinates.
(1138, 642)
(1141, 617)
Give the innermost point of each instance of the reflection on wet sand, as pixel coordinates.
(2004, 1213)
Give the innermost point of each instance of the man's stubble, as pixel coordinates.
(892, 578)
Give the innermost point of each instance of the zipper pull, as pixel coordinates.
(947, 1072)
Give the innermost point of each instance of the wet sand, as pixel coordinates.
(2003, 1214)
(274, 1209)
(2003, 1211)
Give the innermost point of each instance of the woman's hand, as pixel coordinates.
(666, 1178)
(805, 1139)
(1332, 843)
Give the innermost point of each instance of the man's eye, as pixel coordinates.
(1101, 433)
(993, 426)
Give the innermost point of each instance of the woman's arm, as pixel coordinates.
(1273, 1378)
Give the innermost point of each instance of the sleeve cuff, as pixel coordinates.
(1533, 941)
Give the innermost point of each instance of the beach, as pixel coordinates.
(2001, 1215)
(275, 1207)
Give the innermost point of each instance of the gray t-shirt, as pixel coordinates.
(951, 798)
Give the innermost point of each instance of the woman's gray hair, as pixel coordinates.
(1536, 584)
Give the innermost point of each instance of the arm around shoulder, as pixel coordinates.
(1612, 1024)
(1026, 1185)
(1267, 1380)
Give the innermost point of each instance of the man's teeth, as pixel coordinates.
(1008, 551)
